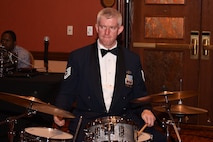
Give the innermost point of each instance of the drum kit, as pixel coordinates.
(110, 129)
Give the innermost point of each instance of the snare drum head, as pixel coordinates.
(48, 133)
(144, 137)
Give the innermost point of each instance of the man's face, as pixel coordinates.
(7, 42)
(108, 30)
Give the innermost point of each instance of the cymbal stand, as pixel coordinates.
(171, 121)
(179, 121)
(13, 120)
(180, 116)
(180, 102)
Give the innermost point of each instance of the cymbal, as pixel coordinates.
(34, 104)
(52, 110)
(25, 101)
(142, 99)
(161, 97)
(181, 109)
(172, 96)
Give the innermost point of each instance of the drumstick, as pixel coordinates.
(141, 130)
(77, 130)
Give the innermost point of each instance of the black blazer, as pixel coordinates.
(83, 85)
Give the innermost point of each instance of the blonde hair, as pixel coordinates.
(110, 13)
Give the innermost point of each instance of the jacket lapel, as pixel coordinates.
(95, 75)
(119, 76)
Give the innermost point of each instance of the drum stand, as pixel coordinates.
(171, 121)
(13, 120)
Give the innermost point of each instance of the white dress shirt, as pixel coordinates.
(107, 69)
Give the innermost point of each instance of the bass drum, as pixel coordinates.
(144, 137)
(111, 128)
(42, 134)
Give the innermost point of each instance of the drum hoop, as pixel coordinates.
(147, 135)
(32, 133)
(110, 119)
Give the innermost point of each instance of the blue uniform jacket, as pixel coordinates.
(82, 85)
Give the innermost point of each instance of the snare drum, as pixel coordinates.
(145, 137)
(42, 134)
(112, 128)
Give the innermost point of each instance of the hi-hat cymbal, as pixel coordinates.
(34, 104)
(181, 109)
(161, 97)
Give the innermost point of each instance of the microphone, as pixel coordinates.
(46, 44)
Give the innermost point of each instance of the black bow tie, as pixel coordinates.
(104, 52)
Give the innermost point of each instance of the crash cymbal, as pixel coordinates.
(52, 110)
(34, 104)
(160, 97)
(172, 96)
(25, 101)
(181, 109)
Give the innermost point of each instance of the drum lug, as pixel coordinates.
(89, 135)
(22, 136)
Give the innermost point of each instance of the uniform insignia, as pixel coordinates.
(67, 73)
(142, 74)
(129, 79)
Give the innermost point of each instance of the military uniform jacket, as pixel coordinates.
(82, 85)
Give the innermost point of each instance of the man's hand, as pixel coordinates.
(148, 117)
(59, 121)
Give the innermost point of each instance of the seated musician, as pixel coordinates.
(15, 57)
(103, 85)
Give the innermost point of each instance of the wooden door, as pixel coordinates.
(170, 38)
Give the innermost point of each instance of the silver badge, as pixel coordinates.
(129, 79)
